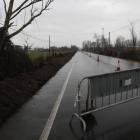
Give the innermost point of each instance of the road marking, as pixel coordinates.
(48, 126)
(111, 66)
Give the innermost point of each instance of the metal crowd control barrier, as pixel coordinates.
(125, 83)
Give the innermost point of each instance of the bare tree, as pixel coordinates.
(120, 43)
(11, 14)
(128, 43)
(98, 40)
(8, 66)
(133, 38)
(86, 45)
(27, 46)
(138, 43)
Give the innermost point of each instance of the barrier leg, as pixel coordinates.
(78, 116)
(84, 127)
(83, 122)
(72, 118)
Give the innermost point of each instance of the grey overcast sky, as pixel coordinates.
(70, 22)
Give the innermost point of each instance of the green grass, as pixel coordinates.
(35, 55)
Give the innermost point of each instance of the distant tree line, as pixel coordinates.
(18, 61)
(57, 49)
(123, 48)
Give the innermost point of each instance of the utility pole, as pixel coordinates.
(49, 45)
(103, 39)
(93, 45)
(109, 38)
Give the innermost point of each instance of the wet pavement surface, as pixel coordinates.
(110, 61)
(121, 122)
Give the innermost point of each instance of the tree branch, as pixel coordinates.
(20, 8)
(31, 19)
(5, 6)
(8, 15)
(133, 35)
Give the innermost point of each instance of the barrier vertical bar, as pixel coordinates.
(138, 83)
(95, 91)
(121, 87)
(87, 104)
(115, 86)
(138, 79)
(127, 90)
(109, 88)
(102, 90)
(132, 84)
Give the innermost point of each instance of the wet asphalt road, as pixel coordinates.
(117, 123)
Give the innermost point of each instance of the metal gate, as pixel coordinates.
(123, 83)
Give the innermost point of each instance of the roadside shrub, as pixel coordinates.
(23, 60)
(14, 61)
(127, 54)
(67, 53)
(49, 58)
(55, 54)
(137, 56)
(60, 54)
(108, 52)
(38, 63)
(115, 54)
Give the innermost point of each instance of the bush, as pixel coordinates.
(49, 58)
(14, 61)
(137, 56)
(115, 54)
(38, 63)
(66, 53)
(127, 54)
(60, 54)
(55, 55)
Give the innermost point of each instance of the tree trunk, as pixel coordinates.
(2, 71)
(2, 47)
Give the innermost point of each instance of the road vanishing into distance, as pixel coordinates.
(47, 114)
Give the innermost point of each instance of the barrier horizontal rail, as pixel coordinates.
(107, 85)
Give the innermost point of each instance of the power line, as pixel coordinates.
(53, 43)
(31, 36)
(124, 26)
(25, 33)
